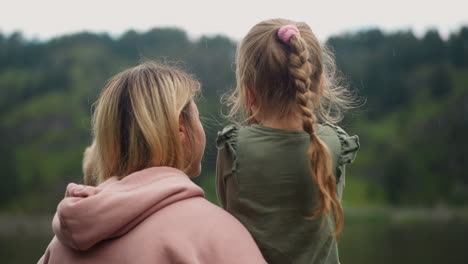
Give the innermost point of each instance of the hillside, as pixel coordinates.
(413, 124)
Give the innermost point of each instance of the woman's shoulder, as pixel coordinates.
(339, 142)
(200, 216)
(227, 236)
(217, 232)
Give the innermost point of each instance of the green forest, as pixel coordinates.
(413, 123)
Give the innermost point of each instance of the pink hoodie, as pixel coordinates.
(156, 215)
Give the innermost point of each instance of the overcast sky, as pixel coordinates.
(44, 19)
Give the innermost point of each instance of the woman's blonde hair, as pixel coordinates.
(136, 122)
(291, 79)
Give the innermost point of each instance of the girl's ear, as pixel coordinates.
(249, 98)
(250, 101)
(322, 84)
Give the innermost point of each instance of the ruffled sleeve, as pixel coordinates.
(347, 154)
(226, 163)
(227, 137)
(349, 146)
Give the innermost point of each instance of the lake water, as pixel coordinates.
(404, 243)
(365, 240)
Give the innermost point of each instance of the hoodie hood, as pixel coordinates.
(88, 215)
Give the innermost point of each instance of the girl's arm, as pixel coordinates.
(226, 145)
(223, 166)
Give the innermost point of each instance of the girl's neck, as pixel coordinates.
(290, 123)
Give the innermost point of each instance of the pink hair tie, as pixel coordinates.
(286, 32)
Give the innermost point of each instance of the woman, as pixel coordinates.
(148, 143)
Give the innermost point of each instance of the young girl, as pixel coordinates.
(282, 175)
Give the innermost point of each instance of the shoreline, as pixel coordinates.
(11, 224)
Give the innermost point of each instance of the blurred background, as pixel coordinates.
(406, 196)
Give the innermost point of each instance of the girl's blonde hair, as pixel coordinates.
(136, 122)
(288, 80)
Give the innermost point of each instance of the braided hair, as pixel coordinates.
(306, 70)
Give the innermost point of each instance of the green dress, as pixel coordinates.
(263, 178)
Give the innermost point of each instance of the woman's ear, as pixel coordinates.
(182, 128)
